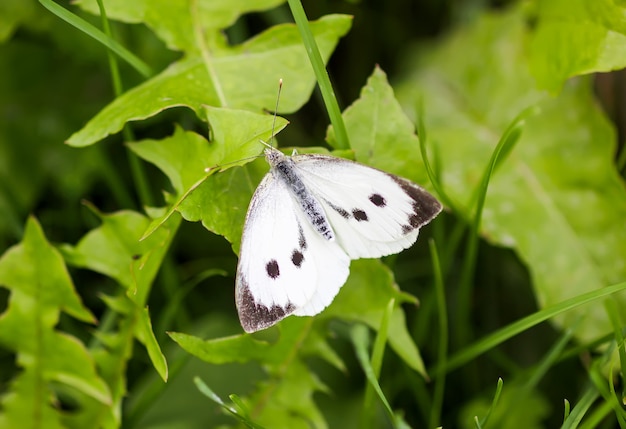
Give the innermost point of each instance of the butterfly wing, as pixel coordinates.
(373, 213)
(285, 267)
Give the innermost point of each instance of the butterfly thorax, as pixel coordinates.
(285, 169)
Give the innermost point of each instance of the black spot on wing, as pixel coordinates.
(272, 269)
(297, 258)
(359, 215)
(253, 316)
(378, 200)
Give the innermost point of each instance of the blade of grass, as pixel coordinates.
(508, 140)
(326, 88)
(613, 312)
(498, 337)
(496, 397)
(82, 25)
(580, 409)
(376, 362)
(432, 175)
(359, 335)
(206, 390)
(550, 358)
(442, 354)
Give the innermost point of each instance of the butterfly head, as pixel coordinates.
(273, 156)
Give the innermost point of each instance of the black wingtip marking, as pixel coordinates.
(425, 206)
(272, 269)
(253, 316)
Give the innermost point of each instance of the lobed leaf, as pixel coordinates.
(557, 198)
(575, 37)
(40, 288)
(239, 77)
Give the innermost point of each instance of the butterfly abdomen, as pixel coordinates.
(285, 169)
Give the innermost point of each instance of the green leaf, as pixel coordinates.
(364, 298)
(13, 13)
(575, 37)
(244, 77)
(557, 199)
(35, 270)
(172, 21)
(144, 333)
(186, 156)
(240, 348)
(292, 384)
(380, 132)
(114, 250)
(41, 288)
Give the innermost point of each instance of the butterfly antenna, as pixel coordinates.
(280, 87)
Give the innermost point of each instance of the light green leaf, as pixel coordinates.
(364, 298)
(557, 199)
(575, 37)
(114, 250)
(186, 156)
(380, 132)
(241, 77)
(13, 13)
(35, 270)
(19, 410)
(40, 288)
(144, 333)
(172, 21)
(240, 348)
(291, 405)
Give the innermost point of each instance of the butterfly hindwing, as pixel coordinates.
(285, 266)
(373, 213)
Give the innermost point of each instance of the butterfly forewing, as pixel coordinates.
(373, 213)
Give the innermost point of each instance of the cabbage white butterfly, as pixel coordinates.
(310, 215)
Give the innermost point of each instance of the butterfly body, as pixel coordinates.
(310, 216)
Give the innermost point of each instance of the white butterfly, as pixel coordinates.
(308, 218)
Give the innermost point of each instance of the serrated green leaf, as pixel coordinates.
(380, 132)
(185, 156)
(114, 250)
(557, 199)
(35, 270)
(41, 288)
(20, 411)
(292, 383)
(144, 333)
(240, 348)
(575, 37)
(245, 77)
(171, 21)
(291, 404)
(364, 298)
